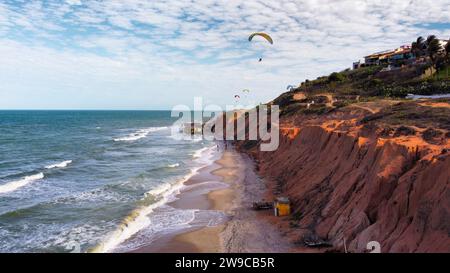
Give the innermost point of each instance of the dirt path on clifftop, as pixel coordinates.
(365, 108)
(248, 231)
(374, 107)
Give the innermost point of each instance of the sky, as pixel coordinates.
(137, 54)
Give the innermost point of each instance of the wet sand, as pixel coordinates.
(208, 239)
(228, 186)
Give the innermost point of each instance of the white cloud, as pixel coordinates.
(196, 47)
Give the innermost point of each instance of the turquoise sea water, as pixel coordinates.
(72, 179)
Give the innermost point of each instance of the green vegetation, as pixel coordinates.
(337, 77)
(409, 113)
(427, 75)
(443, 72)
(372, 81)
(318, 110)
(431, 47)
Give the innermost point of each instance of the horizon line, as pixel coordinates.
(75, 109)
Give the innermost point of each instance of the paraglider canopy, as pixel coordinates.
(237, 97)
(246, 90)
(262, 34)
(290, 87)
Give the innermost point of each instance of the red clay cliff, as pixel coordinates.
(369, 171)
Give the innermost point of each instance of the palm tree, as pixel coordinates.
(447, 54)
(429, 39)
(447, 51)
(418, 47)
(433, 48)
(434, 51)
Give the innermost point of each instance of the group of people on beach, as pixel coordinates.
(225, 142)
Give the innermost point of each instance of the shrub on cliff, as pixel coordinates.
(336, 77)
(284, 100)
(316, 109)
(373, 83)
(404, 131)
(290, 109)
(363, 73)
(431, 134)
(393, 91)
(343, 103)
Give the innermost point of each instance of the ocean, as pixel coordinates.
(79, 181)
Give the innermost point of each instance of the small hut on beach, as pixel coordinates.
(282, 206)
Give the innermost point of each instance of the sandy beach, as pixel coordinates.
(228, 186)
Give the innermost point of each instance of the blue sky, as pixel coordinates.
(130, 54)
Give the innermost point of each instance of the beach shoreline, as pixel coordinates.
(232, 187)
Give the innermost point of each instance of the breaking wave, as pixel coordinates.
(59, 165)
(139, 219)
(15, 185)
(140, 134)
(198, 153)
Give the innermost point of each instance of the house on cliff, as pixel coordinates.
(390, 57)
(393, 58)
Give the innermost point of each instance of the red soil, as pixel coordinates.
(348, 183)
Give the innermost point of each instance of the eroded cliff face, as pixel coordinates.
(357, 186)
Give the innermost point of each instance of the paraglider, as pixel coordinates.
(246, 90)
(262, 34)
(237, 97)
(290, 87)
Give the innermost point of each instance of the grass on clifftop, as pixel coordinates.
(372, 81)
(341, 89)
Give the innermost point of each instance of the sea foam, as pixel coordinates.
(198, 153)
(140, 134)
(59, 165)
(139, 218)
(14, 185)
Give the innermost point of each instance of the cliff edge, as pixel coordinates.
(372, 170)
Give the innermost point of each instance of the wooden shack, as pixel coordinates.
(282, 206)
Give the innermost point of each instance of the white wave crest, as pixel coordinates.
(173, 165)
(14, 185)
(59, 165)
(139, 218)
(198, 153)
(205, 156)
(140, 134)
